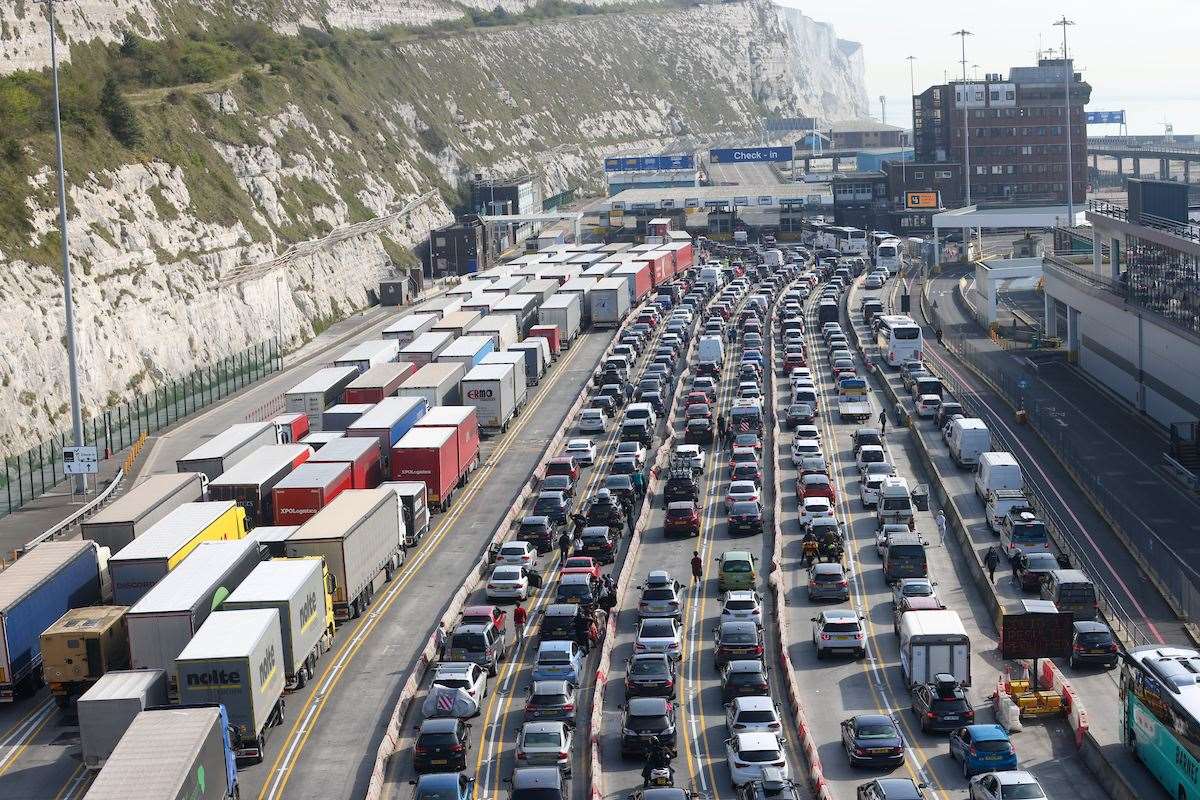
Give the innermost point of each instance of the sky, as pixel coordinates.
(1139, 56)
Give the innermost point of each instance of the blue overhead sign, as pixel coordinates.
(1105, 117)
(649, 163)
(750, 155)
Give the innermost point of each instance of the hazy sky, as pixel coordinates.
(1140, 56)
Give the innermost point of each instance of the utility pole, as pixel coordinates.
(68, 301)
(912, 93)
(1067, 76)
(963, 34)
(883, 108)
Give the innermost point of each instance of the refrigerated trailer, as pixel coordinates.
(537, 358)
(491, 388)
(430, 455)
(390, 419)
(426, 347)
(132, 514)
(414, 508)
(35, 590)
(307, 489)
(437, 383)
(235, 660)
(361, 537)
(108, 708)
(520, 385)
(409, 327)
(458, 322)
(610, 302)
(933, 642)
(378, 382)
(565, 311)
(318, 392)
(522, 308)
(365, 355)
(251, 481)
(82, 645)
(360, 453)
(465, 422)
(468, 350)
(228, 448)
(550, 334)
(501, 327)
(338, 417)
(141, 564)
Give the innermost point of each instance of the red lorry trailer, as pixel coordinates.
(465, 422)
(292, 427)
(429, 455)
(306, 490)
(380, 381)
(360, 453)
(552, 336)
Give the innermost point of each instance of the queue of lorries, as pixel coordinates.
(220, 586)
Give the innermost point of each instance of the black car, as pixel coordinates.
(655, 399)
(441, 746)
(553, 505)
(637, 430)
(681, 485)
(605, 511)
(649, 721)
(1092, 644)
(606, 404)
(800, 414)
(625, 465)
(599, 543)
(662, 793)
(559, 483)
(745, 519)
(558, 622)
(872, 740)
(650, 675)
(744, 678)
(539, 531)
(621, 486)
(942, 706)
(735, 640)
(945, 411)
(698, 431)
(866, 436)
(772, 786)
(615, 390)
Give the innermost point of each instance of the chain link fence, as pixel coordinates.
(1134, 516)
(30, 474)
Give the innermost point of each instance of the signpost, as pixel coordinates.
(80, 461)
(1105, 117)
(649, 163)
(751, 155)
(921, 200)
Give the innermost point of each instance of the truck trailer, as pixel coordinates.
(437, 383)
(564, 311)
(933, 642)
(501, 327)
(522, 308)
(235, 660)
(458, 322)
(491, 388)
(407, 328)
(378, 382)
(318, 392)
(389, 420)
(228, 448)
(611, 302)
(251, 481)
(520, 384)
(361, 454)
(291, 427)
(414, 508)
(133, 513)
(108, 708)
(307, 489)
(429, 455)
(361, 537)
(338, 417)
(365, 355)
(468, 350)
(537, 358)
(35, 590)
(272, 537)
(465, 421)
(82, 646)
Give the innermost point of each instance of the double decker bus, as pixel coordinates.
(898, 337)
(1160, 714)
(850, 241)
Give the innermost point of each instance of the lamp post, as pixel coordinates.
(963, 34)
(1066, 23)
(279, 316)
(68, 301)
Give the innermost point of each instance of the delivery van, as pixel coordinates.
(969, 439)
(997, 471)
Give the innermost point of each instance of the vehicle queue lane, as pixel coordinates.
(491, 756)
(701, 730)
(875, 686)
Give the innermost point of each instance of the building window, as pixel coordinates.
(1011, 94)
(981, 170)
(942, 173)
(997, 170)
(1027, 150)
(440, 242)
(919, 176)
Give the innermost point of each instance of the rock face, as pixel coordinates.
(176, 256)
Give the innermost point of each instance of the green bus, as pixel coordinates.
(1160, 715)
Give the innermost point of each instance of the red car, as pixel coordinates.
(563, 465)
(581, 565)
(696, 397)
(815, 485)
(793, 360)
(482, 615)
(682, 518)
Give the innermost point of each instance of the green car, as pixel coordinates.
(737, 571)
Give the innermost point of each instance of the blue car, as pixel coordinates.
(443, 786)
(753, 355)
(982, 748)
(558, 661)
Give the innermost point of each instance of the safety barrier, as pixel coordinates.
(1052, 678)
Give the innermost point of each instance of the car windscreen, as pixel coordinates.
(739, 605)
(756, 716)
(649, 724)
(906, 552)
(1031, 534)
(758, 756)
(553, 657)
(993, 746)
(1021, 791)
(542, 739)
(647, 667)
(437, 740)
(1095, 639)
(840, 627)
(739, 637)
(657, 628)
(744, 509)
(736, 566)
(658, 594)
(467, 641)
(896, 503)
(875, 731)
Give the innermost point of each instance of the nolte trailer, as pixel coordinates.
(430, 455)
(250, 482)
(35, 590)
(360, 535)
(132, 514)
(228, 448)
(491, 388)
(171, 754)
(296, 588)
(318, 392)
(234, 659)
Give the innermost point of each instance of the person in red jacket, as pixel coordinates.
(519, 617)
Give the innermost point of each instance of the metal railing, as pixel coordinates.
(31, 473)
(1184, 230)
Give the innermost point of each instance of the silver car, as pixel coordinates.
(827, 581)
(545, 744)
(660, 598)
(660, 635)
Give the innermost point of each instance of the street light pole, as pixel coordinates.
(1065, 23)
(963, 34)
(279, 316)
(68, 300)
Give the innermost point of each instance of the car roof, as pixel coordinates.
(988, 732)
(755, 703)
(1088, 626)
(745, 664)
(872, 719)
(471, 627)
(898, 788)
(663, 657)
(1011, 776)
(544, 727)
(736, 626)
(575, 577)
(451, 667)
(558, 646)
(438, 780)
(757, 740)
(536, 777)
(839, 614)
(826, 567)
(440, 725)
(561, 610)
(646, 706)
(480, 609)
(736, 555)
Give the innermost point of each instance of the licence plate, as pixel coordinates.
(879, 750)
(842, 638)
(1098, 651)
(439, 761)
(950, 717)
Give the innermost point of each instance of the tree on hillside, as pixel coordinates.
(119, 115)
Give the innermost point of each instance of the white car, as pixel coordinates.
(752, 715)
(806, 432)
(927, 405)
(660, 635)
(838, 629)
(803, 448)
(800, 372)
(508, 583)
(873, 282)
(632, 449)
(471, 678)
(740, 492)
(748, 753)
(545, 744)
(591, 420)
(913, 587)
(814, 508)
(520, 554)
(584, 451)
(869, 454)
(692, 454)
(1005, 785)
(742, 606)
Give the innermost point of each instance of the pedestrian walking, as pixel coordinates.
(639, 482)
(577, 544)
(697, 567)
(991, 561)
(519, 618)
(941, 526)
(1016, 565)
(629, 516)
(440, 639)
(564, 546)
(883, 421)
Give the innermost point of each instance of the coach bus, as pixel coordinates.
(898, 338)
(850, 241)
(1160, 714)
(889, 255)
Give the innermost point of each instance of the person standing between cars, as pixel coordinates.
(519, 618)
(883, 422)
(583, 631)
(941, 526)
(1017, 559)
(564, 545)
(697, 567)
(991, 561)
(577, 543)
(639, 482)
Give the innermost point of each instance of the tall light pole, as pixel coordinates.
(68, 301)
(963, 34)
(883, 108)
(1066, 23)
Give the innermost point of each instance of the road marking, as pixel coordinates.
(27, 729)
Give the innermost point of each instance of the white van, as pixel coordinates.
(642, 411)
(997, 471)
(711, 276)
(894, 501)
(711, 350)
(969, 439)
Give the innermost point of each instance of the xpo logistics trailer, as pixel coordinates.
(236, 659)
(611, 302)
(250, 482)
(378, 382)
(361, 537)
(228, 448)
(491, 388)
(164, 621)
(318, 392)
(361, 454)
(133, 513)
(465, 421)
(35, 590)
(107, 709)
(430, 455)
(171, 754)
(307, 489)
(141, 564)
(298, 589)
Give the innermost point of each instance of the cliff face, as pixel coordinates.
(344, 163)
